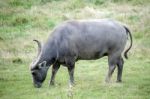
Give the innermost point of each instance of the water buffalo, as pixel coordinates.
(81, 40)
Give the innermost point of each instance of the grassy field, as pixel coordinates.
(21, 21)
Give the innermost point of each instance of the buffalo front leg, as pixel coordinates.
(71, 75)
(54, 71)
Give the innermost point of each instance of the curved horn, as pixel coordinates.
(35, 61)
(39, 46)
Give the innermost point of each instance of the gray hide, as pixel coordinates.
(81, 40)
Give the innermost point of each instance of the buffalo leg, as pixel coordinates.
(120, 69)
(112, 66)
(110, 72)
(54, 71)
(71, 74)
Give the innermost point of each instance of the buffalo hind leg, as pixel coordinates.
(112, 66)
(110, 72)
(120, 69)
(54, 71)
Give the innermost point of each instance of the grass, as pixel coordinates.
(21, 21)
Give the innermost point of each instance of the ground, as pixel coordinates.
(21, 21)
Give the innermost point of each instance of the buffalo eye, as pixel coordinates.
(36, 68)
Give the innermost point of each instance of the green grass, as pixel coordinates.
(21, 21)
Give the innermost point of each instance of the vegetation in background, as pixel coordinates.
(21, 21)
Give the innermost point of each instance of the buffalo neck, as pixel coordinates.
(48, 52)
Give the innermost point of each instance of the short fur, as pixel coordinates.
(85, 40)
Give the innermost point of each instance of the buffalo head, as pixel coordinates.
(38, 68)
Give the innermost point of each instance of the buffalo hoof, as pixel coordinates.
(51, 84)
(107, 80)
(119, 81)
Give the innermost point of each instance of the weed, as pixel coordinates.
(17, 60)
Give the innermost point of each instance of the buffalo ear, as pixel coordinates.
(43, 64)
